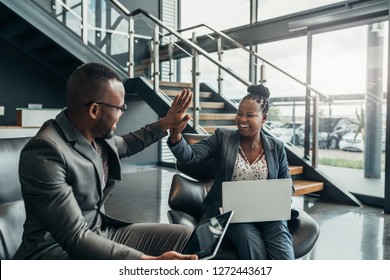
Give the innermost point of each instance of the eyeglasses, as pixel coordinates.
(122, 108)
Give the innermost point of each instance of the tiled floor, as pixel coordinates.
(347, 232)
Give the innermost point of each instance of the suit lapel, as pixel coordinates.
(231, 154)
(82, 146)
(269, 151)
(113, 160)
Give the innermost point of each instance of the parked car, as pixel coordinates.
(355, 143)
(343, 127)
(326, 126)
(290, 132)
(274, 124)
(323, 139)
(352, 142)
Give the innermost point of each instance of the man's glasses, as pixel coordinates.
(122, 108)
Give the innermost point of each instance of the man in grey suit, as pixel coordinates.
(67, 169)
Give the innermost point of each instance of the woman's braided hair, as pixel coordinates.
(260, 94)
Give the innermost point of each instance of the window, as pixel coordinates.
(219, 14)
(275, 8)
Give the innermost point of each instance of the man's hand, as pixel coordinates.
(170, 255)
(176, 119)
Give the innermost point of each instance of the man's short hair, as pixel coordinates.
(87, 83)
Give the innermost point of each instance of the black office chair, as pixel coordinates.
(186, 197)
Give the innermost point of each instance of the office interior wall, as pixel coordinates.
(24, 81)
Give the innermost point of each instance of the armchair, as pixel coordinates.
(187, 194)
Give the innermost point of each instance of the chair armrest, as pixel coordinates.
(199, 171)
(181, 218)
(187, 195)
(305, 231)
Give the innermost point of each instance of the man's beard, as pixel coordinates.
(109, 134)
(104, 129)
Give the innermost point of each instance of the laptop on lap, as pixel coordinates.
(257, 200)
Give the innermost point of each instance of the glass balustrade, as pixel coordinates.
(334, 115)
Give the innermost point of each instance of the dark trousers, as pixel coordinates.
(261, 241)
(151, 239)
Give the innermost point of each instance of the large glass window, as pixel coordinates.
(289, 56)
(339, 61)
(287, 95)
(218, 14)
(275, 8)
(350, 66)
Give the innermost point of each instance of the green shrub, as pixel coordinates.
(340, 162)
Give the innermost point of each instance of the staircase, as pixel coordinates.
(214, 114)
(215, 111)
(40, 36)
(303, 186)
(34, 32)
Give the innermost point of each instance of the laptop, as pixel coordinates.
(257, 200)
(207, 236)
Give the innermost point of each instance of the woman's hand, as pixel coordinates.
(176, 119)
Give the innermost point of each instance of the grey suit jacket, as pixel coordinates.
(223, 146)
(61, 178)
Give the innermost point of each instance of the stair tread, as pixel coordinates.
(216, 116)
(172, 92)
(305, 187)
(175, 84)
(209, 105)
(296, 170)
(212, 128)
(212, 105)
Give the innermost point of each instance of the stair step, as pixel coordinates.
(141, 67)
(202, 94)
(175, 84)
(295, 170)
(210, 105)
(211, 129)
(212, 116)
(305, 187)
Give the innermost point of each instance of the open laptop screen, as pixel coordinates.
(207, 236)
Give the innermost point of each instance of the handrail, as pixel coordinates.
(200, 50)
(186, 41)
(237, 44)
(196, 48)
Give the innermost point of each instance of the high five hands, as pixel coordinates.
(176, 119)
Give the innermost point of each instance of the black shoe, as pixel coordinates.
(294, 214)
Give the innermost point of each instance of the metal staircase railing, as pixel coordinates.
(81, 13)
(221, 67)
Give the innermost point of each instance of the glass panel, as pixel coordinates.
(232, 57)
(276, 8)
(287, 107)
(231, 87)
(109, 30)
(67, 12)
(108, 27)
(286, 94)
(238, 61)
(219, 14)
(350, 65)
(144, 33)
(289, 55)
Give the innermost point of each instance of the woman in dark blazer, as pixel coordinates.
(243, 154)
